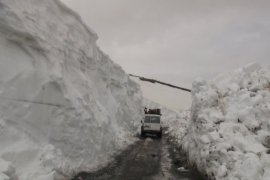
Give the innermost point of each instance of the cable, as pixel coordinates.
(163, 83)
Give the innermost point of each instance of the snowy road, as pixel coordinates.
(148, 159)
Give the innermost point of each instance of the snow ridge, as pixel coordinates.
(65, 106)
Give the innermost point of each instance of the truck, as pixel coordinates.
(151, 124)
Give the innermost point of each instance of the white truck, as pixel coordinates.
(151, 124)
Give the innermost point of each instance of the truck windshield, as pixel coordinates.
(152, 119)
(147, 119)
(155, 119)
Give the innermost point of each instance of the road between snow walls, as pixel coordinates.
(65, 107)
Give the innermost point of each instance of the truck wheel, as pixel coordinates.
(142, 133)
(159, 135)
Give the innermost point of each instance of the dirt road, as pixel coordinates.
(148, 159)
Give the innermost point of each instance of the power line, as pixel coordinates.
(163, 83)
(33, 102)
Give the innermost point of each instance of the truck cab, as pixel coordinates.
(151, 124)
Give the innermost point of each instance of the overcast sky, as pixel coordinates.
(179, 40)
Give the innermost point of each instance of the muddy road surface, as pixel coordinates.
(148, 159)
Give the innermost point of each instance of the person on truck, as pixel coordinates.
(145, 110)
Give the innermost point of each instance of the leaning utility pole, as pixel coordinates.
(163, 83)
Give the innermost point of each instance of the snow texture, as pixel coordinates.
(178, 125)
(229, 133)
(65, 107)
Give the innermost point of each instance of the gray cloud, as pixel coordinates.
(179, 40)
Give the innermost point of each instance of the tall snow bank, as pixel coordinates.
(65, 106)
(229, 134)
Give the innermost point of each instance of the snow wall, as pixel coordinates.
(65, 107)
(229, 133)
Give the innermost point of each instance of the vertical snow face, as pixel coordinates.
(65, 106)
(229, 135)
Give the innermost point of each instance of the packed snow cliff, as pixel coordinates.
(65, 106)
(229, 134)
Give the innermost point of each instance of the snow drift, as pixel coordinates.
(229, 134)
(65, 106)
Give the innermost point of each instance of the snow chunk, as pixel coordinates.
(7, 171)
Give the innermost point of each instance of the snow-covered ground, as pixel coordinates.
(229, 133)
(65, 106)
